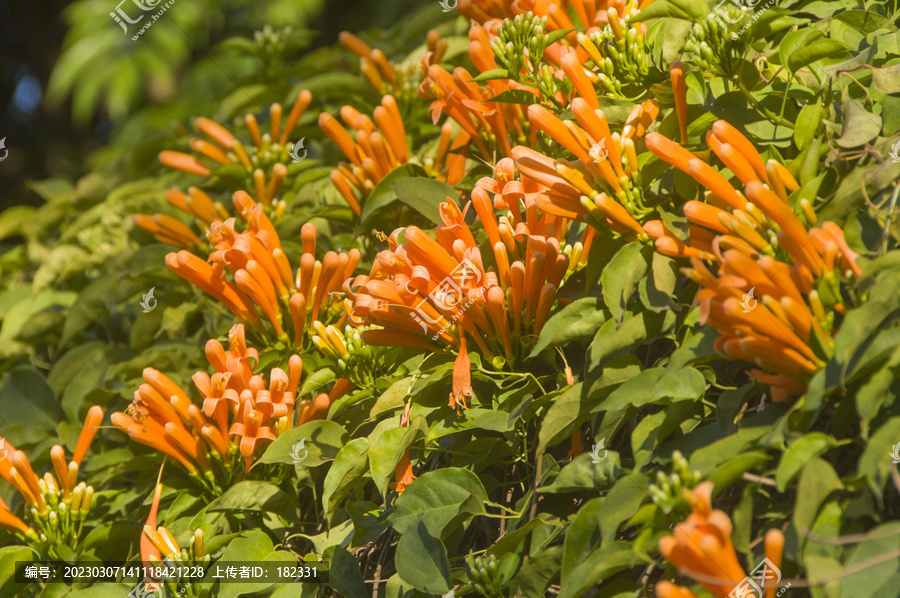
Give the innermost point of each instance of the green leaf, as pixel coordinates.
(867, 582)
(797, 455)
(860, 125)
(808, 122)
(886, 79)
(252, 546)
(345, 576)
(865, 21)
(817, 50)
(622, 502)
(425, 195)
(536, 574)
(315, 381)
(817, 481)
(657, 386)
(656, 291)
(555, 36)
(322, 440)
(516, 96)
(393, 398)
(729, 472)
(383, 457)
(576, 321)
(383, 194)
(599, 565)
(583, 535)
(346, 473)
(876, 462)
(583, 473)
(688, 10)
(421, 560)
(436, 498)
(491, 74)
(14, 219)
(251, 496)
(621, 276)
(29, 408)
(9, 555)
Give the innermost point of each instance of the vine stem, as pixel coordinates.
(760, 109)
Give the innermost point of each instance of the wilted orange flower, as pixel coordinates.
(263, 159)
(263, 277)
(762, 247)
(403, 472)
(701, 548)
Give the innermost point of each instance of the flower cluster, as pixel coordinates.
(263, 160)
(379, 147)
(701, 548)
(619, 53)
(237, 402)
(606, 166)
(386, 77)
(263, 277)
(56, 507)
(801, 273)
(158, 546)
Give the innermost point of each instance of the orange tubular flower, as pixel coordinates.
(701, 548)
(263, 160)
(148, 549)
(403, 475)
(163, 417)
(761, 245)
(432, 293)
(391, 77)
(607, 164)
(677, 73)
(494, 127)
(10, 522)
(168, 230)
(262, 276)
(44, 494)
(376, 149)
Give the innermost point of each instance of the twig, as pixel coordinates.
(755, 478)
(377, 580)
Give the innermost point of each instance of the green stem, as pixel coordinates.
(762, 111)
